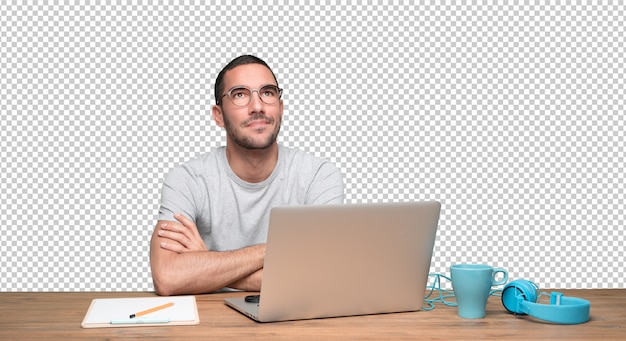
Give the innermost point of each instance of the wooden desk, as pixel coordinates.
(57, 316)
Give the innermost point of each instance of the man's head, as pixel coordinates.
(241, 60)
(248, 104)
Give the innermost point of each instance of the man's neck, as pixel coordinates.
(252, 165)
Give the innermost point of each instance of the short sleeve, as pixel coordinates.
(327, 186)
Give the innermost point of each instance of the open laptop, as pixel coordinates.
(343, 260)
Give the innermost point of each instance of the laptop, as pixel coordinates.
(344, 260)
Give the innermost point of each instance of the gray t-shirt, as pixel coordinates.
(231, 213)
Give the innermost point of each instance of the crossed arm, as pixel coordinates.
(182, 264)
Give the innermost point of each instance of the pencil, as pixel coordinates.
(152, 310)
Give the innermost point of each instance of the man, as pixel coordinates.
(214, 211)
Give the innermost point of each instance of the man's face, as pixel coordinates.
(256, 125)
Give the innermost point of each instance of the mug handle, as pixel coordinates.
(504, 279)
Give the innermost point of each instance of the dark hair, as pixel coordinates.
(241, 60)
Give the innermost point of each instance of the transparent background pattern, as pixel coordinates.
(511, 115)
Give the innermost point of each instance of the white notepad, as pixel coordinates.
(115, 312)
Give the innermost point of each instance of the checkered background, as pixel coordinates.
(511, 115)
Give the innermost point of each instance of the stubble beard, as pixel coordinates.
(248, 142)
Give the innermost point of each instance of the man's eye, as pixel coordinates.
(238, 93)
(269, 92)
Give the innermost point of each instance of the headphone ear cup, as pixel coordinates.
(516, 292)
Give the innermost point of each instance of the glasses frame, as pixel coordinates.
(257, 90)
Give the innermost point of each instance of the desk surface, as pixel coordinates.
(56, 316)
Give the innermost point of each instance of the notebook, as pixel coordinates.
(146, 311)
(344, 260)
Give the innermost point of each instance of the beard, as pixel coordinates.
(247, 141)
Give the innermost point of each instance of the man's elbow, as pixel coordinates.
(161, 287)
(165, 284)
(162, 291)
(165, 279)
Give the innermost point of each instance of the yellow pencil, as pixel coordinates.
(152, 310)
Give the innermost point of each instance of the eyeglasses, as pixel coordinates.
(242, 95)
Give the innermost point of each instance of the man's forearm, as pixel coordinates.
(205, 271)
(249, 283)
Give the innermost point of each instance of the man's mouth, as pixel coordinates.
(257, 121)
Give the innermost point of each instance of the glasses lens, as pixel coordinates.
(269, 94)
(240, 96)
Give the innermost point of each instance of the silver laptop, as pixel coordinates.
(344, 260)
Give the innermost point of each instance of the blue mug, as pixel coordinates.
(471, 284)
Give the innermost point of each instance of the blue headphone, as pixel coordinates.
(520, 297)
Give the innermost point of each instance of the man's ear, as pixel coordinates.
(218, 115)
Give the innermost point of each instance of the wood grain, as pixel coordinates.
(55, 316)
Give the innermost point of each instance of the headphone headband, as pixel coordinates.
(520, 297)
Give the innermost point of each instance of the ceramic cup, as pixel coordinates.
(471, 284)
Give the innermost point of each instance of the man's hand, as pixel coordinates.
(183, 237)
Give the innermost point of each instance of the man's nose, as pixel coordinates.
(255, 100)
